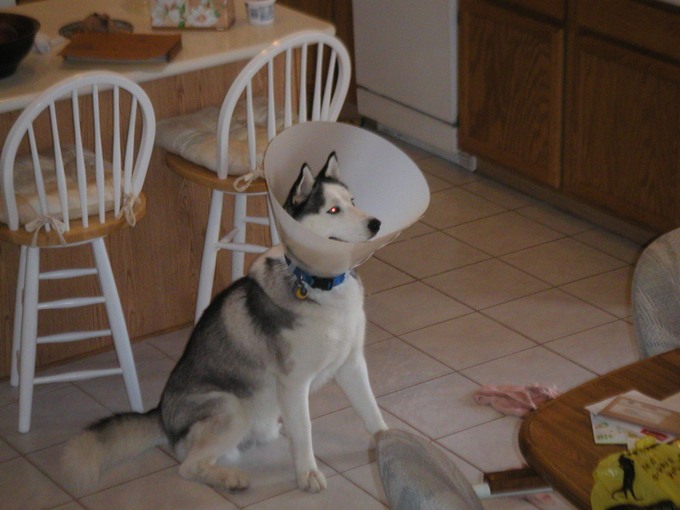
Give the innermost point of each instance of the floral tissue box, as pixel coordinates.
(212, 14)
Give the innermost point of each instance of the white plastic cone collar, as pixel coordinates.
(383, 179)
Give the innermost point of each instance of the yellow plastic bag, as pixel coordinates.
(647, 477)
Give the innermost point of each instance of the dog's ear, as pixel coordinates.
(300, 191)
(303, 185)
(332, 169)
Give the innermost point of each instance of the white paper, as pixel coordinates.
(383, 179)
(608, 430)
(672, 402)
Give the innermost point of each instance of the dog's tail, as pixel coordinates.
(108, 442)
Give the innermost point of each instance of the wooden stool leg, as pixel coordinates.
(29, 336)
(18, 317)
(117, 323)
(209, 259)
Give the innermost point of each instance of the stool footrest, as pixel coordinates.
(81, 375)
(73, 336)
(226, 243)
(67, 273)
(71, 303)
(245, 247)
(257, 220)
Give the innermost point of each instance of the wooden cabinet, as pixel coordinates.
(511, 74)
(586, 105)
(622, 149)
(621, 146)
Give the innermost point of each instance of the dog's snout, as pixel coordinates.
(374, 225)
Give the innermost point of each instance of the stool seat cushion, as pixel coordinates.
(193, 136)
(656, 296)
(28, 201)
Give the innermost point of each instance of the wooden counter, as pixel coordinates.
(200, 48)
(156, 264)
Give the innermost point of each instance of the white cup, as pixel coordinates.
(260, 12)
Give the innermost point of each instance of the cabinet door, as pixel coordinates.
(510, 102)
(622, 148)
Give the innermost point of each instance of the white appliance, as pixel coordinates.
(405, 54)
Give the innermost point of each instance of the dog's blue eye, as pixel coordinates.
(334, 210)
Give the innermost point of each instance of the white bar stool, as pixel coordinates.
(60, 195)
(222, 149)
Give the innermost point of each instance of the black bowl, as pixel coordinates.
(17, 34)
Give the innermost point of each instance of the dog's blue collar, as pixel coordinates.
(315, 282)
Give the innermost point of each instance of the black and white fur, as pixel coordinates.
(325, 205)
(253, 358)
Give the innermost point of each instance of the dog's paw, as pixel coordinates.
(220, 477)
(234, 480)
(312, 481)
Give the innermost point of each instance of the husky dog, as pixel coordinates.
(253, 357)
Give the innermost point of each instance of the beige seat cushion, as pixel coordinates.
(27, 195)
(193, 136)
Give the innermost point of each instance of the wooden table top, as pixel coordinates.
(557, 439)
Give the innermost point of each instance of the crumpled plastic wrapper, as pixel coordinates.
(646, 477)
(44, 43)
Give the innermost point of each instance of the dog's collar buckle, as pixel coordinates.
(305, 280)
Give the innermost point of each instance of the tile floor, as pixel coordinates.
(491, 287)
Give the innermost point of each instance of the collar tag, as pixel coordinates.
(300, 291)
